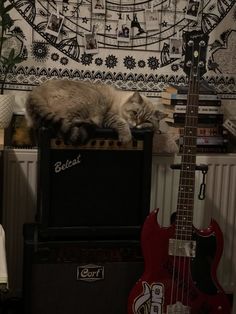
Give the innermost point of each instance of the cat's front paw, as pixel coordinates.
(125, 137)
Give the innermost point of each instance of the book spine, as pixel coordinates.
(208, 140)
(201, 109)
(184, 96)
(207, 131)
(207, 149)
(230, 126)
(183, 102)
(183, 89)
(179, 118)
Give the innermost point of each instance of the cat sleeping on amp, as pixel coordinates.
(74, 108)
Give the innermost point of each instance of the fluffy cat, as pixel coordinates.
(73, 107)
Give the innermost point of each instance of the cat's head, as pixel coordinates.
(140, 112)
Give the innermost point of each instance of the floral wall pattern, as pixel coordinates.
(86, 39)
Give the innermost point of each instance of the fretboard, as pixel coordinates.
(185, 204)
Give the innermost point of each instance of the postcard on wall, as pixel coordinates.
(90, 43)
(99, 6)
(176, 44)
(192, 10)
(124, 30)
(54, 24)
(152, 19)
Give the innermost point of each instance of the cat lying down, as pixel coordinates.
(74, 108)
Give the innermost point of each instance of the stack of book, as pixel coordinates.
(230, 125)
(212, 136)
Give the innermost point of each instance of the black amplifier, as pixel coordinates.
(104, 184)
(88, 277)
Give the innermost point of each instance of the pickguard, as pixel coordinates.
(201, 265)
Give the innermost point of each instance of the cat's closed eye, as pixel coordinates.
(133, 112)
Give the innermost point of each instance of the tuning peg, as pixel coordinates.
(202, 43)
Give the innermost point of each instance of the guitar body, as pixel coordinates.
(181, 261)
(176, 280)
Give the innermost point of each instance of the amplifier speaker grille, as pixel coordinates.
(103, 183)
(80, 277)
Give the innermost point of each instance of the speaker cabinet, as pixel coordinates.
(101, 184)
(86, 277)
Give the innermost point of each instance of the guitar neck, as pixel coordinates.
(185, 203)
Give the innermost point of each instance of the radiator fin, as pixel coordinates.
(19, 207)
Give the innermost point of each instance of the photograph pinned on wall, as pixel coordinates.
(54, 24)
(123, 30)
(99, 6)
(192, 10)
(90, 43)
(137, 28)
(152, 19)
(176, 45)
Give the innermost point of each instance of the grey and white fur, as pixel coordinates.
(71, 107)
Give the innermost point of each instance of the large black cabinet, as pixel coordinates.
(82, 254)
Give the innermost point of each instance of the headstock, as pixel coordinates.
(195, 43)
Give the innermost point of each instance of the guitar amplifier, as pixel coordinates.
(88, 277)
(104, 184)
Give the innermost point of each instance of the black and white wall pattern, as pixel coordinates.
(132, 44)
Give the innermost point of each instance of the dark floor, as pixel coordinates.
(15, 306)
(11, 306)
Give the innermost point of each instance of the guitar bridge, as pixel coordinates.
(183, 248)
(178, 307)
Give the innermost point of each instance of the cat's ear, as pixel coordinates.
(160, 114)
(136, 97)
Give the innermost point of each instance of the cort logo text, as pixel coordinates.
(90, 272)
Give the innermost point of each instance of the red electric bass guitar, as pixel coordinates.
(180, 260)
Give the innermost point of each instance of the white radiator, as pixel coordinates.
(19, 205)
(220, 203)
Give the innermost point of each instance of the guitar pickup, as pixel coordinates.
(183, 248)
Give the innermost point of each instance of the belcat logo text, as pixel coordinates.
(90, 272)
(60, 166)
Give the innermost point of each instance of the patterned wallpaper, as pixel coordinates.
(133, 44)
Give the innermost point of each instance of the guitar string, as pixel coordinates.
(195, 106)
(178, 235)
(190, 177)
(186, 197)
(187, 181)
